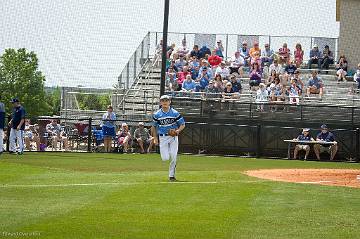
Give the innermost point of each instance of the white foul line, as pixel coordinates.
(316, 182)
(118, 183)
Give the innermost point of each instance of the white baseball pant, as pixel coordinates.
(1, 140)
(17, 135)
(168, 150)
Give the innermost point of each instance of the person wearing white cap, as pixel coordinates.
(305, 136)
(222, 70)
(315, 56)
(167, 125)
(143, 138)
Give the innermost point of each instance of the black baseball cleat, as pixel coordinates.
(172, 179)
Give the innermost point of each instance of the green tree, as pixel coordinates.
(20, 77)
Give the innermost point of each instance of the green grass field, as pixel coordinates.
(68, 195)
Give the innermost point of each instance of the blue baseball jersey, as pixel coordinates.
(328, 136)
(17, 115)
(164, 121)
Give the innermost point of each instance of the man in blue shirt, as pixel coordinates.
(164, 120)
(315, 56)
(305, 136)
(326, 136)
(315, 85)
(2, 125)
(17, 125)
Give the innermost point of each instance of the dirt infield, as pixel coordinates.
(333, 177)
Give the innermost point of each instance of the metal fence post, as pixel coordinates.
(258, 141)
(357, 145)
(226, 49)
(135, 63)
(127, 76)
(89, 135)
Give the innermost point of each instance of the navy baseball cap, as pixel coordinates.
(324, 126)
(14, 100)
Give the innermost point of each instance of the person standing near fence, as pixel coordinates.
(2, 125)
(17, 125)
(167, 125)
(108, 128)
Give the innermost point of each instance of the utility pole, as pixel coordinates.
(164, 47)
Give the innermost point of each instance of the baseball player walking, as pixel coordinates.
(17, 125)
(167, 125)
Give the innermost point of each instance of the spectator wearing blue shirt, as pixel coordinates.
(108, 128)
(219, 49)
(315, 57)
(236, 85)
(2, 125)
(315, 85)
(203, 80)
(326, 136)
(195, 52)
(305, 136)
(244, 53)
(204, 51)
(267, 55)
(188, 85)
(17, 125)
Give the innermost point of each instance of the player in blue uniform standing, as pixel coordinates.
(2, 125)
(167, 125)
(17, 125)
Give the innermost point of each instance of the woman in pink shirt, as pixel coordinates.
(182, 76)
(299, 55)
(284, 54)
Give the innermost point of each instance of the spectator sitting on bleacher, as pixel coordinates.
(237, 63)
(327, 58)
(218, 83)
(222, 70)
(236, 85)
(271, 78)
(203, 80)
(256, 58)
(181, 62)
(204, 51)
(205, 64)
(276, 90)
(124, 137)
(298, 81)
(298, 55)
(56, 134)
(183, 49)
(315, 57)
(315, 85)
(290, 68)
(276, 67)
(305, 136)
(171, 82)
(219, 48)
(143, 138)
(188, 85)
(255, 75)
(195, 72)
(172, 65)
(244, 53)
(214, 60)
(194, 62)
(211, 91)
(195, 52)
(357, 76)
(229, 92)
(262, 96)
(284, 54)
(181, 76)
(170, 50)
(293, 93)
(31, 135)
(326, 136)
(267, 55)
(341, 68)
(255, 50)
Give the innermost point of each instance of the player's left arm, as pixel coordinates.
(181, 128)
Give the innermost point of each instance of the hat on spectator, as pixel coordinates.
(262, 85)
(165, 97)
(204, 68)
(141, 123)
(123, 124)
(14, 100)
(315, 46)
(306, 130)
(324, 126)
(222, 62)
(326, 46)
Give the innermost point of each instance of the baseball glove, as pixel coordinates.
(172, 132)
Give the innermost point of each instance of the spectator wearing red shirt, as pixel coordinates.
(284, 54)
(298, 55)
(182, 76)
(214, 60)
